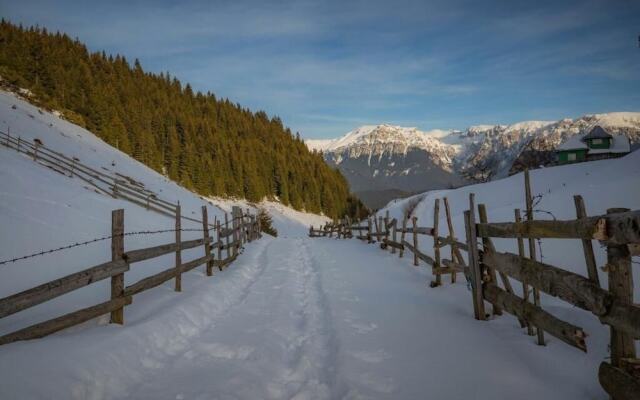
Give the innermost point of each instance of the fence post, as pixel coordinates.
(178, 285)
(369, 237)
(386, 225)
(587, 247)
(117, 250)
(487, 247)
(436, 244)
(402, 234)
(415, 240)
(621, 287)
(474, 262)
(207, 240)
(394, 233)
(452, 236)
(525, 286)
(219, 245)
(532, 247)
(226, 227)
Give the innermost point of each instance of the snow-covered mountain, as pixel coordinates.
(380, 159)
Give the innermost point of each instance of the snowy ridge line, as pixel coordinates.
(619, 230)
(121, 296)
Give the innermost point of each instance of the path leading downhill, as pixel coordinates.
(300, 318)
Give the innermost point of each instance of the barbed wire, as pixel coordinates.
(77, 244)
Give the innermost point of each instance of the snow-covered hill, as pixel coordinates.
(386, 157)
(41, 209)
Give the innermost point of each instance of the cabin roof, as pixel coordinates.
(597, 132)
(619, 144)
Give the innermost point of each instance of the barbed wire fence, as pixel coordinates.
(87, 242)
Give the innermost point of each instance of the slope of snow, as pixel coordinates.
(41, 209)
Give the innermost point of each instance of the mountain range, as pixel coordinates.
(382, 162)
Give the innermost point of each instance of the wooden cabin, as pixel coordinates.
(598, 144)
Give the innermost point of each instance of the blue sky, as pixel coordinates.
(328, 67)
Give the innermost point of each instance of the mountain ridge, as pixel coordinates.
(390, 158)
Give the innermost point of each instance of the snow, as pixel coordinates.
(293, 317)
(618, 119)
(619, 144)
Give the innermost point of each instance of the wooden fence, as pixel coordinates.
(113, 184)
(490, 273)
(244, 228)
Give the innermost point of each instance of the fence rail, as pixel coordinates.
(490, 273)
(245, 228)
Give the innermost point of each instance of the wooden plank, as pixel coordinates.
(133, 256)
(417, 253)
(188, 266)
(68, 320)
(568, 333)
(223, 263)
(621, 288)
(447, 241)
(150, 282)
(587, 247)
(117, 251)
(620, 228)
(392, 244)
(532, 247)
(570, 287)
(618, 383)
(420, 230)
(50, 290)
(474, 261)
(178, 264)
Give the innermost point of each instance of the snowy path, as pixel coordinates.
(300, 318)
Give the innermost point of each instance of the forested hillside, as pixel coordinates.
(209, 145)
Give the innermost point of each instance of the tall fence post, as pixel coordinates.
(207, 240)
(436, 245)
(474, 261)
(414, 220)
(525, 286)
(226, 228)
(452, 237)
(386, 225)
(219, 244)
(369, 236)
(178, 284)
(117, 251)
(394, 234)
(532, 247)
(403, 233)
(621, 287)
(587, 247)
